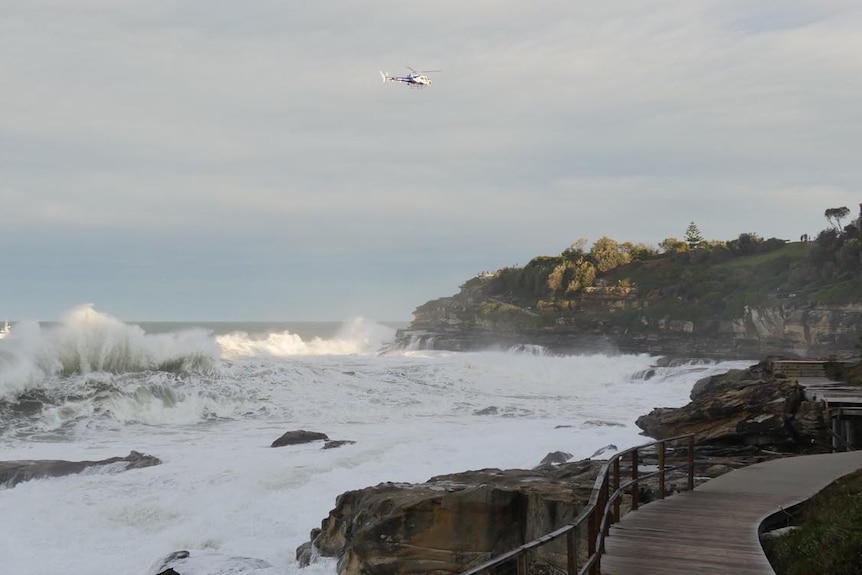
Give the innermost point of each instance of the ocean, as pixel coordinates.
(208, 399)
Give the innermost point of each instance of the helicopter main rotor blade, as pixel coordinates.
(415, 71)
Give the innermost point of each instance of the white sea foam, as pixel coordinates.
(223, 492)
(357, 336)
(87, 341)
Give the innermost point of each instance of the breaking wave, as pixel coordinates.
(356, 337)
(91, 366)
(86, 341)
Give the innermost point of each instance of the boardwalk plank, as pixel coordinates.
(714, 529)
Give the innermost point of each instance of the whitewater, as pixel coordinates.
(209, 399)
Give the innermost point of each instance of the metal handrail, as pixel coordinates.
(601, 511)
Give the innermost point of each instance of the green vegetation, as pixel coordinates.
(828, 538)
(693, 278)
(692, 236)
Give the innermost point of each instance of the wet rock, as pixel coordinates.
(14, 472)
(451, 521)
(743, 407)
(298, 437)
(556, 458)
(603, 450)
(332, 444)
(602, 423)
(208, 563)
(307, 553)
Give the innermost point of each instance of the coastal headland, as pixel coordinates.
(746, 298)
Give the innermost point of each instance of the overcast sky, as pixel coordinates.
(223, 160)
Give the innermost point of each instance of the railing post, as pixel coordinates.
(616, 488)
(635, 485)
(690, 462)
(522, 564)
(592, 531)
(572, 551)
(661, 455)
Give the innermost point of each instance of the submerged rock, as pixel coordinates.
(14, 472)
(207, 563)
(299, 436)
(332, 444)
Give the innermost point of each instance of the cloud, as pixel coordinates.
(262, 130)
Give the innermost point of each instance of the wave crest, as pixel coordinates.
(86, 341)
(356, 337)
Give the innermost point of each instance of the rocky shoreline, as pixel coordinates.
(791, 327)
(453, 522)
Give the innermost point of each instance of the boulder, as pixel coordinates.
(556, 458)
(299, 436)
(451, 522)
(743, 407)
(14, 472)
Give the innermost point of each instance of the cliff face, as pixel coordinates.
(623, 323)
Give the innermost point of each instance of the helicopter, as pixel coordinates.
(416, 78)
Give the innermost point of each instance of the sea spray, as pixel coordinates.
(221, 491)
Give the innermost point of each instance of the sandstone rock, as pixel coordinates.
(452, 521)
(794, 327)
(307, 553)
(15, 472)
(299, 436)
(742, 407)
(732, 379)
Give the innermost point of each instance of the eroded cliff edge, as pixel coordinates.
(717, 306)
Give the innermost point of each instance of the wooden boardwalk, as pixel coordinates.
(715, 528)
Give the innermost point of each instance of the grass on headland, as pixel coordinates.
(829, 534)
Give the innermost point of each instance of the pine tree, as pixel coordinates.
(692, 236)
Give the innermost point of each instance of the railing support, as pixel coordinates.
(572, 550)
(602, 510)
(661, 456)
(690, 462)
(616, 488)
(635, 487)
(592, 532)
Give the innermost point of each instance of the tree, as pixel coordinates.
(836, 214)
(746, 244)
(673, 245)
(585, 275)
(558, 276)
(692, 236)
(607, 254)
(638, 252)
(576, 250)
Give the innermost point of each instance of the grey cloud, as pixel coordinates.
(261, 133)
